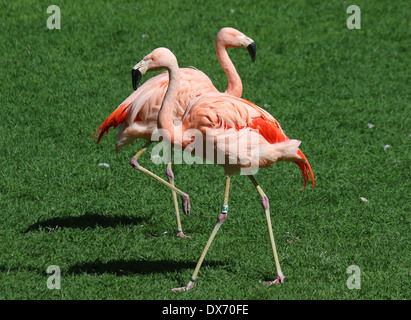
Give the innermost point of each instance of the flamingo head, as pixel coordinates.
(232, 38)
(158, 59)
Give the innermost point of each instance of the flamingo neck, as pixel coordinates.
(234, 87)
(166, 114)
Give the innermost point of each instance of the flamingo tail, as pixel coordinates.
(305, 168)
(272, 132)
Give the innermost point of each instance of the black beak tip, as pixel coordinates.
(135, 77)
(252, 50)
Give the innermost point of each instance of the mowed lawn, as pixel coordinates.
(112, 231)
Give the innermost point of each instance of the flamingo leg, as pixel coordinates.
(170, 176)
(184, 196)
(220, 219)
(265, 203)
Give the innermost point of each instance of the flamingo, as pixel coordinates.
(228, 123)
(137, 115)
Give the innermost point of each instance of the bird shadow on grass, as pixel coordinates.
(84, 222)
(125, 268)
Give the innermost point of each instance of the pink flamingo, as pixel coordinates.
(137, 115)
(229, 123)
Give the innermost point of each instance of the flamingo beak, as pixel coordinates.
(252, 50)
(138, 71)
(135, 77)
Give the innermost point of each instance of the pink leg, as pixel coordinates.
(220, 219)
(266, 206)
(170, 176)
(184, 196)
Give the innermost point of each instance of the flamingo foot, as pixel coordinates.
(185, 198)
(181, 234)
(189, 286)
(278, 280)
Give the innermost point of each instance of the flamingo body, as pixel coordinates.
(237, 129)
(231, 123)
(137, 116)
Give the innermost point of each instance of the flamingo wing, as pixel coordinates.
(144, 104)
(222, 113)
(128, 111)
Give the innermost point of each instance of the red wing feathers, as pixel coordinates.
(117, 117)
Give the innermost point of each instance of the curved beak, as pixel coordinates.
(135, 77)
(138, 71)
(252, 50)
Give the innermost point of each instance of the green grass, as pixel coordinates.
(112, 230)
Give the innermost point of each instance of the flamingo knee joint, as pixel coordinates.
(170, 174)
(221, 217)
(134, 163)
(265, 202)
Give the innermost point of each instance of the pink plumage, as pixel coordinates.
(240, 132)
(137, 115)
(235, 120)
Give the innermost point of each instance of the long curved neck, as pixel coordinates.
(235, 86)
(165, 119)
